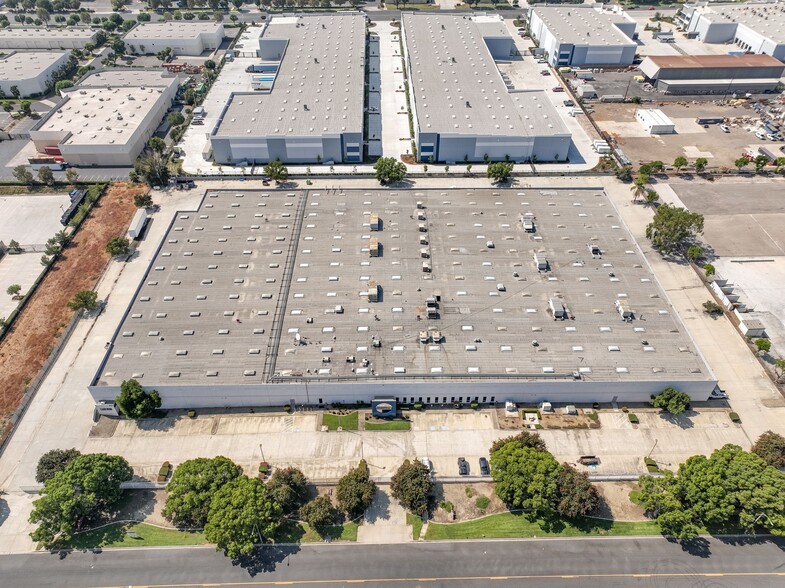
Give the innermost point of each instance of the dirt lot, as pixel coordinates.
(690, 140)
(25, 349)
(463, 498)
(616, 502)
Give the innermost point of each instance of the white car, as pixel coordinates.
(760, 135)
(718, 394)
(725, 128)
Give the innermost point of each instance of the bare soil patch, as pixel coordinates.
(508, 423)
(25, 348)
(465, 502)
(616, 502)
(565, 421)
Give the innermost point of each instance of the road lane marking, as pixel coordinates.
(462, 579)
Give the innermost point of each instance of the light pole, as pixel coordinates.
(261, 451)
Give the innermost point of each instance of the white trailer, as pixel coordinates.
(137, 224)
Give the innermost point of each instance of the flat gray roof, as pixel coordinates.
(583, 25)
(319, 86)
(457, 88)
(53, 33)
(123, 78)
(27, 65)
(767, 20)
(228, 280)
(175, 29)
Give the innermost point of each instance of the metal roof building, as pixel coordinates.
(31, 72)
(183, 37)
(755, 28)
(261, 297)
(308, 73)
(106, 119)
(688, 74)
(46, 38)
(579, 35)
(462, 108)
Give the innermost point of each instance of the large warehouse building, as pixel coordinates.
(107, 119)
(462, 108)
(262, 298)
(307, 102)
(754, 28)
(183, 37)
(54, 38)
(580, 36)
(713, 74)
(30, 72)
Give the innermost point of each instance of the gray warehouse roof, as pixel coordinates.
(27, 65)
(175, 29)
(457, 88)
(583, 25)
(53, 33)
(319, 85)
(767, 20)
(230, 298)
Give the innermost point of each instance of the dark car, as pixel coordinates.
(569, 103)
(463, 466)
(485, 469)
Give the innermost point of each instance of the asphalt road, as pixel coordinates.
(587, 563)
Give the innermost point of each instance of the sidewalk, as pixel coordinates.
(385, 521)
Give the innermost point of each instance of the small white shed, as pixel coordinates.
(654, 121)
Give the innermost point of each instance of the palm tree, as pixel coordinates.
(638, 187)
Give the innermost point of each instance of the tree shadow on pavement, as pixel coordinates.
(266, 558)
(683, 420)
(741, 540)
(156, 424)
(4, 511)
(379, 509)
(698, 547)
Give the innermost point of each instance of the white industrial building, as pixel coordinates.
(41, 38)
(579, 36)
(107, 119)
(462, 109)
(654, 121)
(30, 72)
(752, 28)
(223, 316)
(304, 99)
(192, 37)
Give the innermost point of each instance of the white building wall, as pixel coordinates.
(33, 85)
(412, 390)
(45, 39)
(182, 46)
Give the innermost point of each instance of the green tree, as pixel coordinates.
(192, 487)
(655, 167)
(709, 269)
(672, 227)
(389, 170)
(23, 175)
(289, 488)
(71, 175)
(275, 170)
(118, 246)
(679, 163)
(638, 187)
(241, 514)
(143, 200)
(157, 144)
(85, 490)
(45, 176)
(62, 85)
(52, 462)
(25, 106)
(651, 198)
(189, 96)
(741, 163)
(694, 253)
(770, 447)
(779, 369)
(84, 300)
(135, 402)
(526, 478)
(624, 174)
(319, 513)
(13, 290)
(153, 167)
(175, 119)
(577, 496)
(522, 439)
(356, 490)
(209, 64)
(411, 485)
(763, 345)
(671, 400)
(700, 164)
(760, 161)
(500, 171)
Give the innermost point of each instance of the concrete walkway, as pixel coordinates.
(385, 521)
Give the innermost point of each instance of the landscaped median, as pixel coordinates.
(515, 525)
